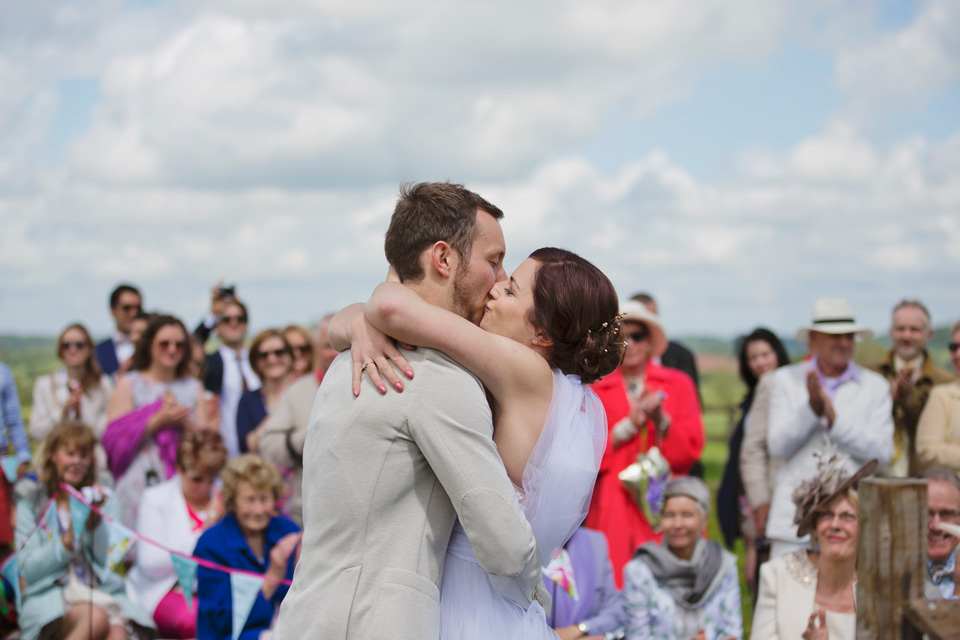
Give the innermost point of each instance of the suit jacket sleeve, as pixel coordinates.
(455, 436)
(869, 435)
(754, 458)
(608, 612)
(932, 444)
(790, 423)
(281, 442)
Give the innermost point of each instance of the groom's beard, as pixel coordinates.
(465, 302)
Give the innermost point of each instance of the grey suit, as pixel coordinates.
(384, 479)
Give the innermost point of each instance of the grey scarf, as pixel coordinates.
(687, 580)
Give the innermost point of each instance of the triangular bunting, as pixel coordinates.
(11, 571)
(79, 513)
(186, 574)
(119, 541)
(244, 589)
(53, 529)
(10, 465)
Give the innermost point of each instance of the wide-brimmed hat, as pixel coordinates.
(834, 316)
(832, 480)
(633, 311)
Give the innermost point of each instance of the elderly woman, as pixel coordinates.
(77, 391)
(685, 588)
(151, 407)
(646, 405)
(250, 537)
(176, 512)
(809, 594)
(938, 430)
(69, 592)
(271, 358)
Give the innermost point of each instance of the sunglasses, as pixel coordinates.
(299, 350)
(72, 345)
(953, 346)
(233, 319)
(638, 336)
(277, 353)
(177, 345)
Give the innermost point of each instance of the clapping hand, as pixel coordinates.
(817, 626)
(819, 400)
(169, 414)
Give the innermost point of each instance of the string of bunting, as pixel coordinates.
(244, 585)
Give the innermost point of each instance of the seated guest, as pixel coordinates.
(685, 588)
(13, 440)
(176, 512)
(150, 408)
(598, 608)
(938, 430)
(249, 537)
(64, 596)
(77, 391)
(943, 505)
(302, 348)
(805, 591)
(647, 405)
(125, 304)
(271, 359)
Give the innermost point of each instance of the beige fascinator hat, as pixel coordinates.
(831, 481)
(834, 316)
(633, 311)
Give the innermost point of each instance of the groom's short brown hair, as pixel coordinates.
(428, 212)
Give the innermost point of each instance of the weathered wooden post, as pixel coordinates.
(891, 559)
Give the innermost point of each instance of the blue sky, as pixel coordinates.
(737, 158)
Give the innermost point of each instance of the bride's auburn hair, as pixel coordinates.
(575, 304)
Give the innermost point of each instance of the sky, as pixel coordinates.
(736, 158)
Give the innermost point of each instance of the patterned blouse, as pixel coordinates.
(652, 610)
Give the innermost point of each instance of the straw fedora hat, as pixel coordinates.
(634, 311)
(834, 316)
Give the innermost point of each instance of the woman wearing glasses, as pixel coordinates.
(77, 391)
(271, 358)
(646, 404)
(302, 350)
(150, 408)
(938, 431)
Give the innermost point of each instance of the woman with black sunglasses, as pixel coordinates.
(271, 358)
(77, 391)
(938, 431)
(150, 408)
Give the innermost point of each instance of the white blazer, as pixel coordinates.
(162, 517)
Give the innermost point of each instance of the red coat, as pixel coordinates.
(612, 510)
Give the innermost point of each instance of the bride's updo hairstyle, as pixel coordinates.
(577, 306)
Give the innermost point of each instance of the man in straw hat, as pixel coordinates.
(826, 399)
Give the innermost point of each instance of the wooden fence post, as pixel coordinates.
(891, 558)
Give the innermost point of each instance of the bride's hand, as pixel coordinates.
(376, 355)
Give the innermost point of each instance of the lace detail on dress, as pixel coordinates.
(800, 568)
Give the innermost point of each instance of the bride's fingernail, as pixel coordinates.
(399, 386)
(356, 392)
(409, 373)
(382, 389)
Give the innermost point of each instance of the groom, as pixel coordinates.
(385, 477)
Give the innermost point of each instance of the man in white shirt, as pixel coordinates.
(125, 304)
(826, 400)
(943, 505)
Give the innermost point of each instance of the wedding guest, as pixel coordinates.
(272, 360)
(12, 436)
(125, 304)
(325, 354)
(150, 408)
(646, 405)
(809, 593)
(177, 512)
(943, 506)
(301, 347)
(597, 608)
(758, 353)
(938, 430)
(77, 391)
(685, 588)
(69, 592)
(252, 538)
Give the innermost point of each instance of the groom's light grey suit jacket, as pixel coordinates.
(384, 478)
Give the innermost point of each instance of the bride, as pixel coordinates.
(546, 333)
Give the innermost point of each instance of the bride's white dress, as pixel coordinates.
(557, 484)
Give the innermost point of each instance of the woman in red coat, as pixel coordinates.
(641, 397)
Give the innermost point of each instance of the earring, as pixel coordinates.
(535, 338)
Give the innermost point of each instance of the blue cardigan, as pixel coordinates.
(224, 544)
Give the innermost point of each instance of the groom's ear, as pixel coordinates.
(443, 258)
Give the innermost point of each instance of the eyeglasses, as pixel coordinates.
(638, 336)
(946, 515)
(277, 353)
(300, 349)
(176, 345)
(846, 517)
(72, 345)
(953, 346)
(234, 319)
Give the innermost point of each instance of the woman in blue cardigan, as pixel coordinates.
(250, 537)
